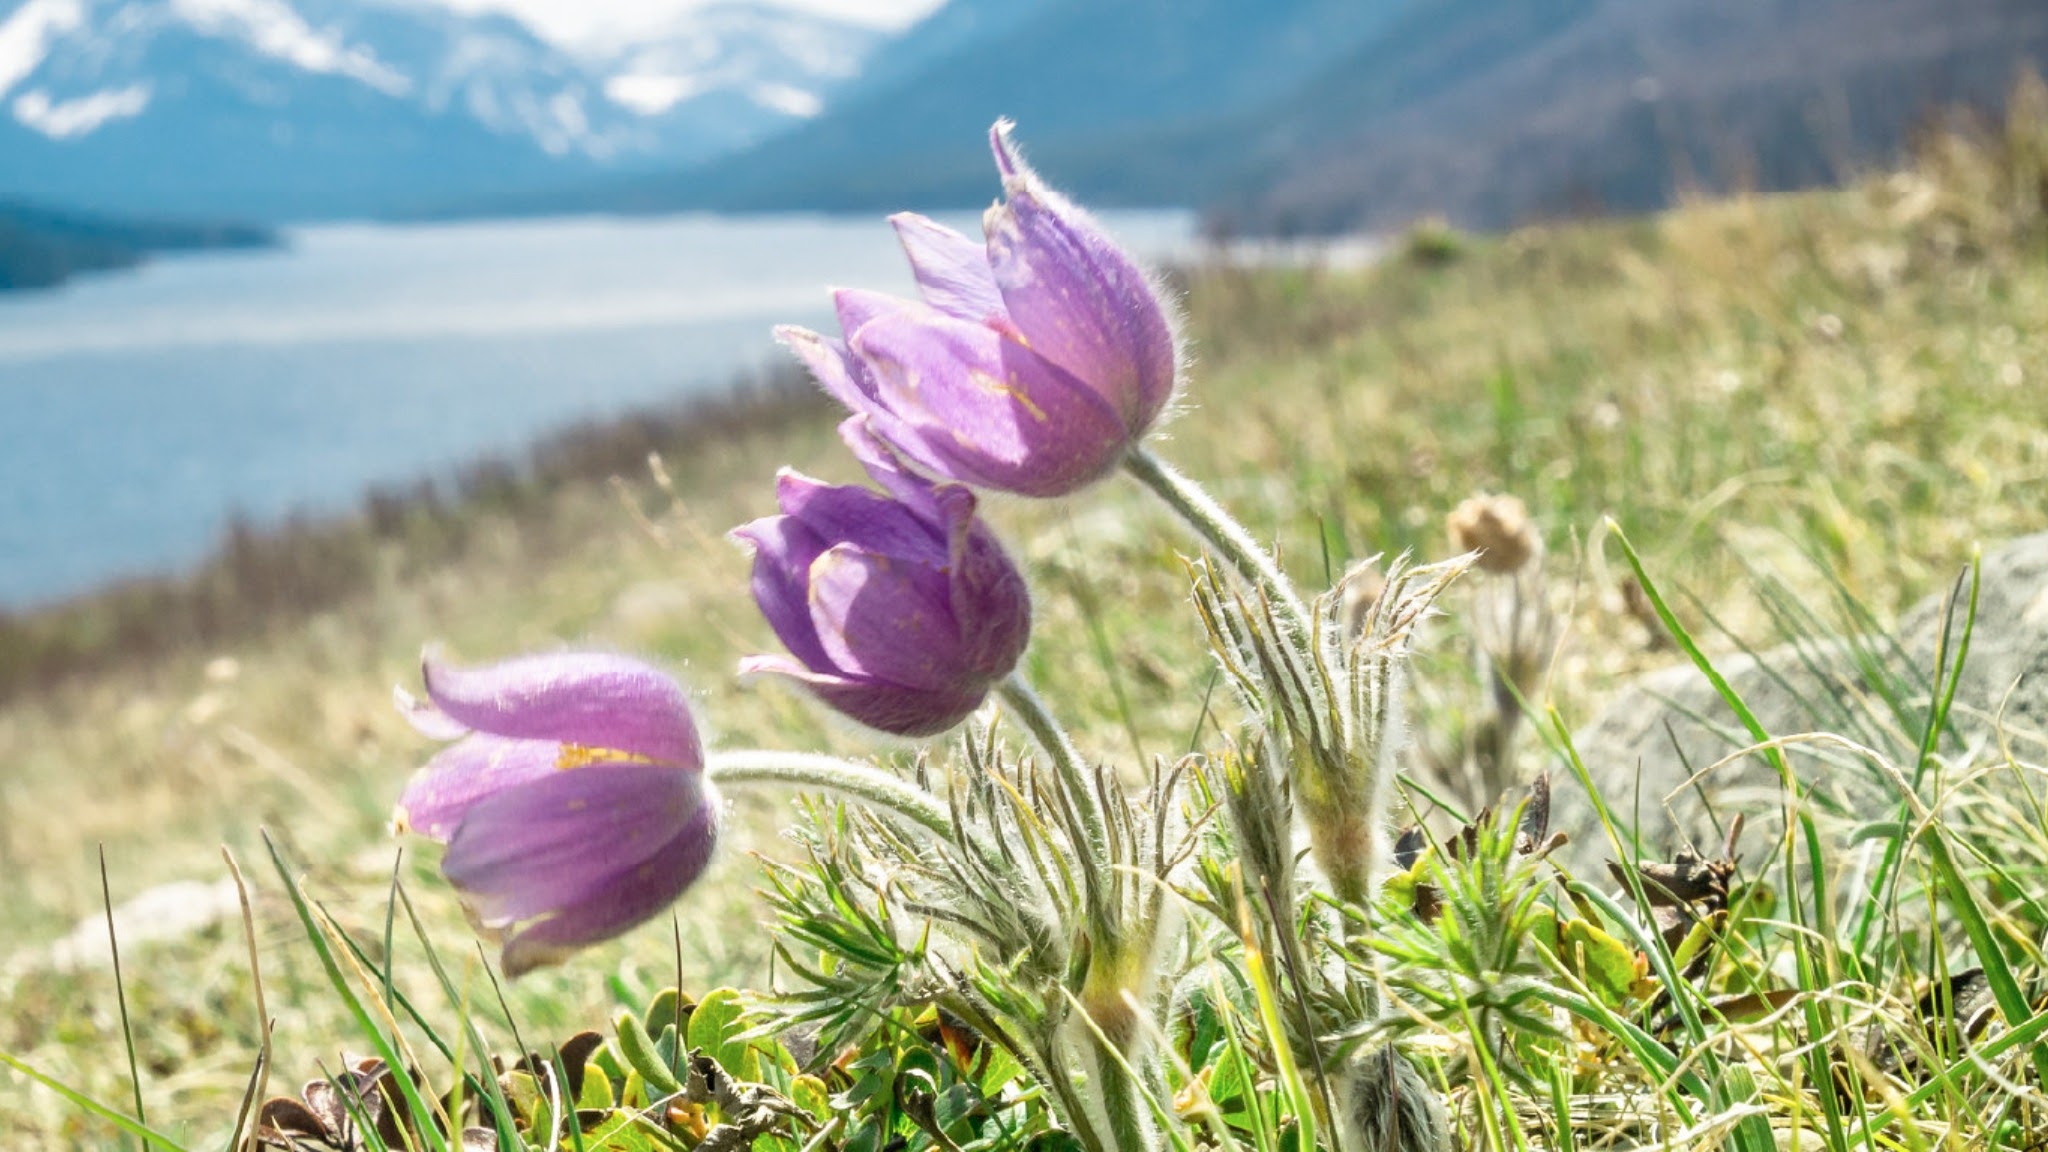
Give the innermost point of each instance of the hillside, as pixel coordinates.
(1081, 77)
(42, 249)
(1316, 116)
(1494, 113)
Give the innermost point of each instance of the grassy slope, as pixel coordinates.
(1857, 374)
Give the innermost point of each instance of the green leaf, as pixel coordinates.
(810, 1094)
(1230, 1081)
(523, 1092)
(1606, 964)
(597, 1088)
(1698, 939)
(998, 1070)
(640, 1052)
(669, 1009)
(621, 1132)
(716, 1027)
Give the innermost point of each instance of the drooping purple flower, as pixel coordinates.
(1035, 359)
(573, 800)
(899, 610)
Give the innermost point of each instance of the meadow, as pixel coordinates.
(1835, 388)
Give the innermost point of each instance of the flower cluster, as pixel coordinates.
(575, 804)
(1033, 364)
(577, 800)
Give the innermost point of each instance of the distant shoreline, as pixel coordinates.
(258, 574)
(43, 248)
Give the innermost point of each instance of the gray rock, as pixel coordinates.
(172, 911)
(1666, 751)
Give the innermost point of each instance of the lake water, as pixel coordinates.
(140, 411)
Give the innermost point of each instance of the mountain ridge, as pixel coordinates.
(1321, 117)
(298, 109)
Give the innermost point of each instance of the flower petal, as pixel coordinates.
(990, 599)
(886, 617)
(477, 766)
(784, 550)
(554, 842)
(849, 380)
(592, 699)
(859, 516)
(857, 307)
(890, 708)
(630, 898)
(1078, 298)
(952, 271)
(883, 464)
(835, 369)
(425, 719)
(991, 411)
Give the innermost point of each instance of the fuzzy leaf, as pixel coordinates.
(645, 1059)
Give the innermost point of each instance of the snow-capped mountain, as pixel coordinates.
(292, 109)
(725, 75)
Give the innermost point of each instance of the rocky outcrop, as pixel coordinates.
(1669, 752)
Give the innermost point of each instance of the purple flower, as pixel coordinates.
(1032, 363)
(900, 610)
(573, 800)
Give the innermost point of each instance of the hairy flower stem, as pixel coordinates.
(1220, 529)
(869, 786)
(1125, 1112)
(1031, 711)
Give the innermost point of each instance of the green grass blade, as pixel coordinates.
(501, 1110)
(384, 1044)
(87, 1104)
(121, 991)
(1814, 969)
(1942, 700)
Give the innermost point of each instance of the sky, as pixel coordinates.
(587, 21)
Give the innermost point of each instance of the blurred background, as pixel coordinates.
(329, 328)
(260, 256)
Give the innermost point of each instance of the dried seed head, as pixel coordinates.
(1499, 529)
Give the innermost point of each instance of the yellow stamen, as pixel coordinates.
(583, 755)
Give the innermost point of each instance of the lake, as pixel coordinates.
(140, 411)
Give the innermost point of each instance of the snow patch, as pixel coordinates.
(567, 111)
(786, 99)
(61, 120)
(650, 94)
(275, 29)
(26, 34)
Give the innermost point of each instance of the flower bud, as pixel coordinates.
(1499, 529)
(1034, 360)
(573, 800)
(900, 611)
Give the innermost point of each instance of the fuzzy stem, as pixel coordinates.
(1124, 1106)
(1037, 718)
(1215, 525)
(870, 786)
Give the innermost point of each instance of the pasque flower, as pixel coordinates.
(1034, 360)
(573, 801)
(899, 610)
